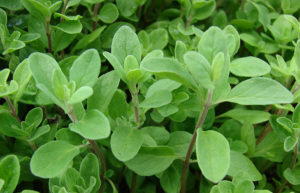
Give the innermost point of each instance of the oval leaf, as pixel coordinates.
(249, 67)
(259, 91)
(151, 160)
(126, 142)
(213, 155)
(94, 125)
(52, 158)
(10, 173)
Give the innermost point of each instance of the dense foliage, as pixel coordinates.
(149, 96)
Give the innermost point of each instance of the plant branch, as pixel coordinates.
(48, 33)
(63, 11)
(96, 10)
(137, 119)
(294, 160)
(199, 124)
(96, 150)
(13, 109)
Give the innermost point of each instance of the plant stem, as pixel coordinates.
(200, 122)
(49, 36)
(188, 21)
(294, 160)
(13, 109)
(136, 110)
(267, 129)
(96, 10)
(96, 150)
(133, 183)
(137, 119)
(63, 11)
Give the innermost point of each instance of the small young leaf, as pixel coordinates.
(81, 94)
(88, 162)
(94, 125)
(70, 26)
(290, 143)
(52, 158)
(213, 155)
(292, 176)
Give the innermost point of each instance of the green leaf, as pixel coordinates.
(200, 69)
(159, 134)
(69, 26)
(211, 43)
(108, 13)
(170, 180)
(116, 65)
(161, 38)
(213, 155)
(86, 69)
(169, 68)
(296, 114)
(217, 66)
(292, 176)
(81, 94)
(233, 39)
(94, 125)
(126, 142)
(244, 187)
(12, 5)
(29, 37)
(34, 117)
(162, 84)
(259, 91)
(180, 141)
(249, 67)
(42, 67)
(127, 8)
(157, 99)
(10, 173)
(240, 163)
(13, 46)
(246, 115)
(22, 76)
(203, 9)
(52, 158)
(87, 39)
(290, 143)
(88, 162)
(9, 126)
(104, 90)
(151, 160)
(126, 42)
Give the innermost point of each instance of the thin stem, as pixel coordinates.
(137, 119)
(199, 124)
(96, 10)
(12, 108)
(188, 21)
(243, 4)
(267, 129)
(63, 11)
(135, 107)
(133, 183)
(294, 160)
(96, 150)
(49, 36)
